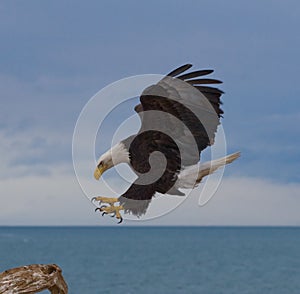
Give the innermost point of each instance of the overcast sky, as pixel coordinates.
(55, 55)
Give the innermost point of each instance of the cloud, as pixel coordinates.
(58, 200)
(241, 201)
(49, 70)
(33, 151)
(55, 199)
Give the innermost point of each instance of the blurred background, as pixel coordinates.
(55, 55)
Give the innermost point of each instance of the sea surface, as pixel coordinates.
(161, 259)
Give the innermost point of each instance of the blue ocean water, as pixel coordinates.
(161, 259)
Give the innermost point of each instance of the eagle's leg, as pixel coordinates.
(110, 208)
(105, 200)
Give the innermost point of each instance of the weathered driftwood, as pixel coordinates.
(33, 278)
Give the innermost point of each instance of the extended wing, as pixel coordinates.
(181, 107)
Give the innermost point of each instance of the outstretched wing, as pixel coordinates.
(179, 118)
(186, 108)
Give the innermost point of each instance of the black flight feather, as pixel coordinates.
(204, 81)
(179, 70)
(195, 74)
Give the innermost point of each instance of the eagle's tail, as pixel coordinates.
(192, 175)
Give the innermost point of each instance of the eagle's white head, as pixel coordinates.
(117, 154)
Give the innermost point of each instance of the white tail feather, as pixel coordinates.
(192, 175)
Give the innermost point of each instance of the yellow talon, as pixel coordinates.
(111, 208)
(118, 214)
(107, 200)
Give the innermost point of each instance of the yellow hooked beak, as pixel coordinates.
(99, 171)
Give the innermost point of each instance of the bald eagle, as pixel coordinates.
(179, 118)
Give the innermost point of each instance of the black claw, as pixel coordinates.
(104, 213)
(113, 215)
(102, 206)
(97, 209)
(93, 199)
(121, 219)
